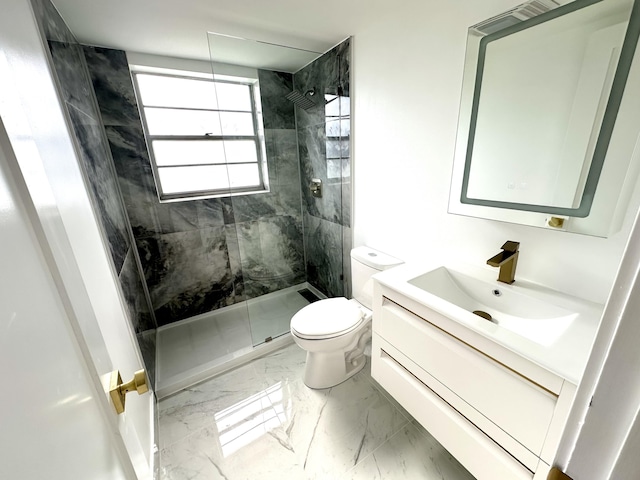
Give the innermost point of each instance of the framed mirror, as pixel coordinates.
(542, 93)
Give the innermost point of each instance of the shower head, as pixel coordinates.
(302, 100)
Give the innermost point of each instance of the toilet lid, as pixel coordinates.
(327, 318)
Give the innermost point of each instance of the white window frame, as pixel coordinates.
(258, 137)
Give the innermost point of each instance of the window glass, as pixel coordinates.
(193, 179)
(202, 135)
(244, 175)
(165, 91)
(167, 121)
(234, 96)
(241, 151)
(234, 123)
(177, 152)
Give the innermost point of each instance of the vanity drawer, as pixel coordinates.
(520, 407)
(477, 451)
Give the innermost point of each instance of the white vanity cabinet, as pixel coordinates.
(498, 413)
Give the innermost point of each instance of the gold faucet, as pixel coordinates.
(507, 261)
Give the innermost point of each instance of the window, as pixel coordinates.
(203, 135)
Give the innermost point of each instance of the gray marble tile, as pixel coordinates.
(210, 212)
(131, 159)
(277, 111)
(147, 342)
(271, 252)
(247, 208)
(187, 273)
(177, 217)
(290, 200)
(313, 164)
(73, 77)
(328, 75)
(131, 284)
(112, 83)
(51, 23)
(128, 150)
(235, 262)
(324, 257)
(97, 164)
(282, 155)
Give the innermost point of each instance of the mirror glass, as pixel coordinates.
(542, 92)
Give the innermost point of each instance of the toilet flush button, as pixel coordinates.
(371, 254)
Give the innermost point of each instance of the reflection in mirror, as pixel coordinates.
(541, 97)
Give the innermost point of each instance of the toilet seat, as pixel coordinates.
(327, 318)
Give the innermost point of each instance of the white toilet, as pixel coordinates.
(334, 331)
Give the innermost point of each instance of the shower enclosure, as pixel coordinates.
(279, 248)
(220, 277)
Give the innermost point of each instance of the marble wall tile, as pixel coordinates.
(324, 151)
(277, 111)
(289, 199)
(76, 90)
(131, 159)
(313, 163)
(187, 273)
(147, 342)
(73, 77)
(97, 165)
(235, 262)
(134, 295)
(282, 154)
(271, 252)
(112, 83)
(324, 258)
(135, 178)
(154, 222)
(328, 75)
(51, 23)
(247, 208)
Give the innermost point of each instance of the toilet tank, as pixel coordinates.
(366, 262)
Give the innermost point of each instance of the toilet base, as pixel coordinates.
(328, 369)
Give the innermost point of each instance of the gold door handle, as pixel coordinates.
(118, 390)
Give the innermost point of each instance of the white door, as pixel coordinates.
(62, 333)
(52, 421)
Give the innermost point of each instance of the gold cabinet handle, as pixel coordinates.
(118, 389)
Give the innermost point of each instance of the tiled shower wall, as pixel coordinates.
(323, 139)
(80, 105)
(200, 255)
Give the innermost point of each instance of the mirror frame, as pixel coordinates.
(619, 124)
(632, 35)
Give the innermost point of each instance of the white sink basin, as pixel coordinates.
(512, 307)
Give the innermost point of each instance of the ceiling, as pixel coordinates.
(179, 28)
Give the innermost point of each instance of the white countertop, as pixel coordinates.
(565, 355)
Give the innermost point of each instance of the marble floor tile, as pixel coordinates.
(410, 453)
(260, 421)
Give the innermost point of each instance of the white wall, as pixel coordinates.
(407, 76)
